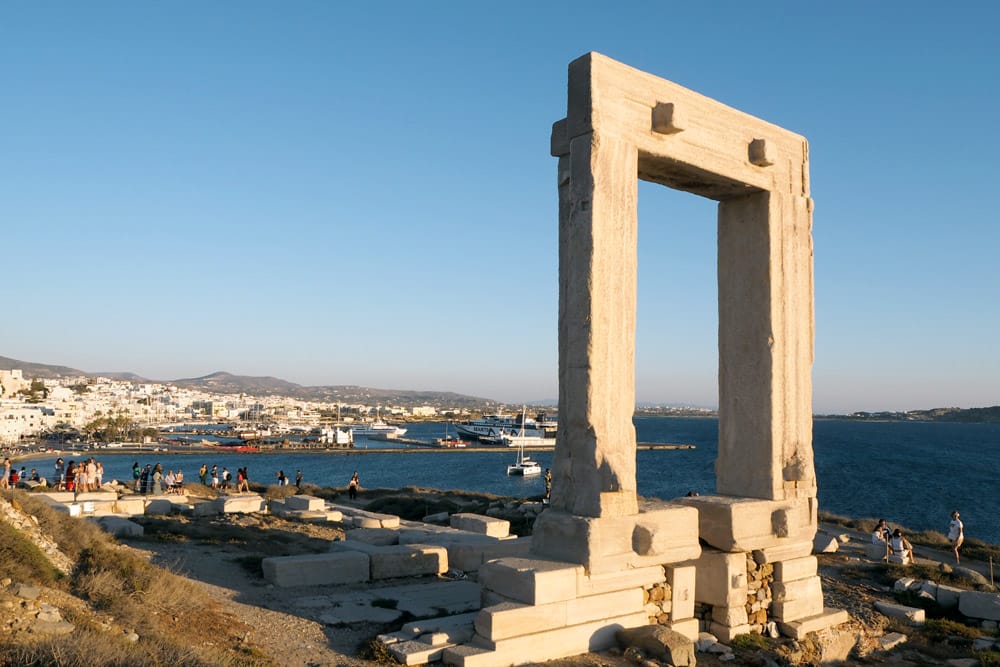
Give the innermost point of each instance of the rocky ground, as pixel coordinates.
(222, 555)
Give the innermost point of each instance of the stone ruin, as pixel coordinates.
(599, 561)
(730, 563)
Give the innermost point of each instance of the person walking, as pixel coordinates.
(956, 534)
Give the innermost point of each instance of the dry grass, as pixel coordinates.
(22, 560)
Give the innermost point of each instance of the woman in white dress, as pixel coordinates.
(956, 534)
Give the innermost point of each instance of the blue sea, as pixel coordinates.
(912, 473)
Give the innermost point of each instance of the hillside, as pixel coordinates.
(222, 382)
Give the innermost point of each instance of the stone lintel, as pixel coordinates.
(745, 524)
(710, 157)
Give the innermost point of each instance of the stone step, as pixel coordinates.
(507, 620)
(800, 628)
(540, 646)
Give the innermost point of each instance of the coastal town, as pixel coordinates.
(66, 406)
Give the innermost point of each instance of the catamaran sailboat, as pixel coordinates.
(524, 466)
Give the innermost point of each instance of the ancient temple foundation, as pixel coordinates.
(599, 562)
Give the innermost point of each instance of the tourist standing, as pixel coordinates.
(548, 483)
(82, 480)
(298, 479)
(99, 475)
(136, 475)
(70, 477)
(59, 474)
(203, 474)
(352, 486)
(5, 479)
(215, 477)
(157, 477)
(956, 534)
(282, 480)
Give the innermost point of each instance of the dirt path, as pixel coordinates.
(286, 633)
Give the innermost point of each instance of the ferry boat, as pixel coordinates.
(493, 428)
(377, 429)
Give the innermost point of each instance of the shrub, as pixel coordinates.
(749, 642)
(939, 629)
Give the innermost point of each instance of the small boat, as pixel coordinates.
(524, 466)
(448, 440)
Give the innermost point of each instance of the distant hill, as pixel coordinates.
(970, 415)
(222, 382)
(41, 371)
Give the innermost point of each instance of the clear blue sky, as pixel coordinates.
(361, 193)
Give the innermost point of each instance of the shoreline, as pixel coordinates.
(231, 451)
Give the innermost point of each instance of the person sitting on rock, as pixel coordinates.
(901, 547)
(881, 532)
